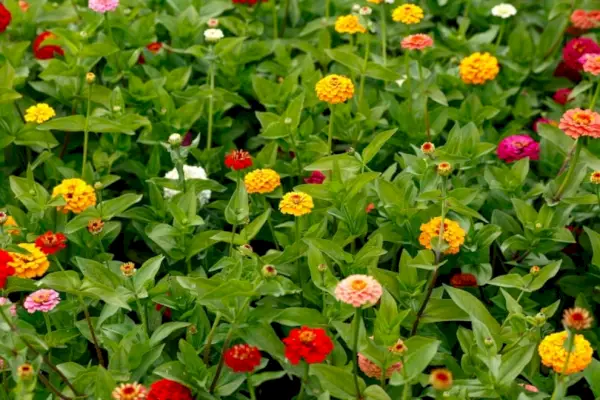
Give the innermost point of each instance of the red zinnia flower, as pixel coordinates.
(50, 242)
(154, 47)
(563, 70)
(561, 96)
(463, 280)
(238, 160)
(167, 312)
(313, 345)
(48, 51)
(242, 358)
(166, 389)
(5, 18)
(370, 207)
(576, 48)
(316, 178)
(5, 270)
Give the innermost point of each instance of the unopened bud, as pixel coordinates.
(488, 341)
(246, 250)
(213, 23)
(269, 271)
(287, 121)
(534, 270)
(540, 318)
(427, 148)
(90, 77)
(356, 7)
(97, 185)
(365, 11)
(444, 168)
(538, 225)
(3, 217)
(128, 269)
(117, 108)
(192, 330)
(25, 371)
(322, 267)
(175, 140)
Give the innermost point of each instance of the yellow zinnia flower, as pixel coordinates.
(349, 24)
(454, 235)
(262, 181)
(10, 222)
(78, 195)
(479, 68)
(39, 113)
(334, 89)
(29, 265)
(296, 203)
(375, 1)
(408, 14)
(553, 353)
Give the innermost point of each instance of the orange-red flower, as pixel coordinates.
(419, 41)
(441, 379)
(242, 358)
(48, 51)
(577, 318)
(238, 160)
(50, 242)
(312, 345)
(463, 280)
(578, 122)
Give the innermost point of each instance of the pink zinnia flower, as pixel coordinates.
(13, 308)
(359, 290)
(102, 6)
(543, 121)
(582, 20)
(578, 122)
(591, 63)
(419, 41)
(316, 178)
(516, 147)
(43, 300)
(372, 370)
(529, 387)
(561, 96)
(576, 48)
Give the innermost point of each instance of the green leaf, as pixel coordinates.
(72, 123)
(513, 363)
(165, 330)
(595, 242)
(375, 392)
(376, 144)
(252, 229)
(472, 306)
(63, 281)
(337, 381)
(508, 281)
(546, 273)
(144, 276)
(440, 310)
(592, 376)
(116, 206)
(105, 384)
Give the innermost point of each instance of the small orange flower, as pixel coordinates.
(595, 177)
(9, 222)
(427, 148)
(130, 391)
(444, 168)
(128, 269)
(577, 318)
(419, 41)
(25, 371)
(441, 379)
(95, 226)
(399, 347)
(534, 270)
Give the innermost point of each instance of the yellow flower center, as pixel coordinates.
(582, 118)
(359, 285)
(40, 297)
(307, 337)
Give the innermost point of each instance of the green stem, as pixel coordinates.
(295, 149)
(270, 223)
(86, 133)
(571, 170)
(357, 315)
(180, 174)
(88, 319)
(330, 134)
(500, 35)
(188, 265)
(209, 338)
(327, 5)
(408, 79)
(420, 70)
(142, 314)
(47, 321)
(275, 18)
(211, 104)
(361, 89)
(213, 384)
(286, 7)
(559, 389)
(384, 34)
(109, 27)
(232, 240)
(251, 387)
(304, 382)
(593, 103)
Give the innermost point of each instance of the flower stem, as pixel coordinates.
(286, 7)
(142, 313)
(267, 205)
(593, 103)
(500, 36)
(327, 6)
(209, 338)
(47, 321)
(211, 101)
(213, 384)
(109, 27)
(304, 382)
(408, 79)
(559, 389)
(357, 316)
(251, 387)
(383, 34)
(232, 240)
(330, 134)
(362, 75)
(86, 133)
(86, 312)
(571, 170)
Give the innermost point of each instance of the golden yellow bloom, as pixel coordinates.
(554, 354)
(39, 113)
(349, 24)
(130, 391)
(479, 68)
(78, 195)
(262, 181)
(454, 235)
(10, 221)
(441, 379)
(375, 1)
(90, 77)
(399, 347)
(296, 203)
(128, 269)
(595, 177)
(408, 14)
(577, 318)
(29, 265)
(334, 89)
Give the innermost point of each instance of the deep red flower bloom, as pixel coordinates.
(561, 96)
(48, 51)
(154, 47)
(187, 139)
(238, 160)
(313, 345)
(5, 18)
(463, 280)
(166, 389)
(316, 178)
(5, 270)
(563, 70)
(576, 48)
(167, 312)
(50, 242)
(242, 358)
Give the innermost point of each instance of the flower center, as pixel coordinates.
(296, 199)
(307, 337)
(519, 145)
(359, 285)
(41, 297)
(129, 390)
(582, 118)
(577, 317)
(442, 376)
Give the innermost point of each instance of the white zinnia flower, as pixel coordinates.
(189, 172)
(389, 1)
(365, 10)
(356, 7)
(504, 10)
(213, 35)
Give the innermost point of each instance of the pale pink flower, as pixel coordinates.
(529, 387)
(13, 308)
(213, 23)
(418, 41)
(102, 6)
(43, 300)
(359, 290)
(578, 122)
(372, 370)
(591, 63)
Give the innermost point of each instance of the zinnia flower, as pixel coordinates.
(51, 243)
(189, 172)
(577, 48)
(312, 345)
(444, 168)
(370, 207)
(427, 148)
(153, 48)
(238, 160)
(102, 6)
(23, 5)
(129, 391)
(43, 300)
(553, 353)
(504, 10)
(349, 24)
(262, 181)
(595, 177)
(334, 89)
(10, 222)
(32, 264)
(48, 51)
(561, 96)
(529, 388)
(166, 389)
(242, 358)
(296, 203)
(516, 147)
(128, 269)
(213, 35)
(420, 41)
(577, 318)
(5, 269)
(478, 68)
(578, 122)
(441, 379)
(591, 64)
(39, 113)
(95, 226)
(77, 194)
(372, 370)
(463, 280)
(583, 20)
(359, 290)
(408, 14)
(315, 178)
(454, 235)
(5, 18)
(13, 307)
(25, 371)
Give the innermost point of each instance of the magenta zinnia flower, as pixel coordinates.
(317, 178)
(516, 147)
(102, 6)
(359, 290)
(43, 300)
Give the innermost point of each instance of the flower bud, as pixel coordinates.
(175, 140)
(25, 371)
(350, 150)
(269, 271)
(287, 121)
(90, 77)
(213, 23)
(534, 270)
(117, 108)
(246, 250)
(540, 318)
(488, 341)
(444, 168)
(595, 177)
(399, 347)
(3, 217)
(356, 7)
(427, 148)
(95, 226)
(97, 185)
(365, 10)
(322, 267)
(192, 330)
(538, 225)
(128, 269)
